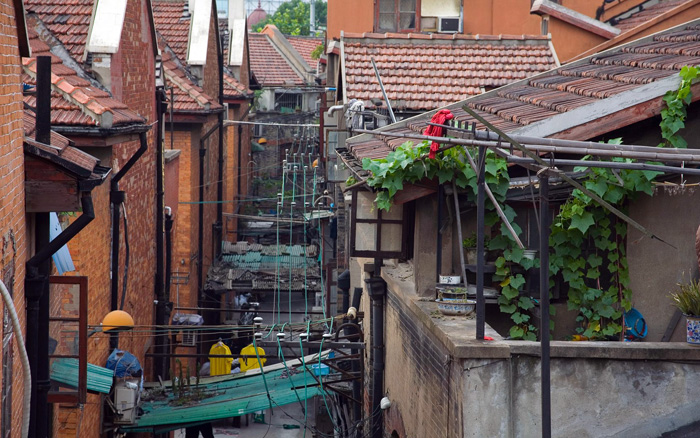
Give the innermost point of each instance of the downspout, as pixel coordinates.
(116, 198)
(161, 301)
(376, 287)
(356, 385)
(240, 164)
(35, 281)
(36, 289)
(220, 184)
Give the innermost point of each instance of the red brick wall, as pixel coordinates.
(182, 237)
(133, 82)
(13, 234)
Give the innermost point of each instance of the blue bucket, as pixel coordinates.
(635, 325)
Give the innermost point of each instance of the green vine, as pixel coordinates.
(674, 115)
(410, 164)
(587, 243)
(588, 248)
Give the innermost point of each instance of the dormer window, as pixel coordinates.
(396, 15)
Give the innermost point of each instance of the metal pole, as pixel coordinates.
(480, 206)
(381, 85)
(459, 234)
(544, 304)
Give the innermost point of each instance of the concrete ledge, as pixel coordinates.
(458, 334)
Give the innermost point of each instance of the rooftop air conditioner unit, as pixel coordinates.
(448, 24)
(126, 396)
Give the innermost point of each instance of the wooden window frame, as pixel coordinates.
(397, 18)
(378, 253)
(80, 395)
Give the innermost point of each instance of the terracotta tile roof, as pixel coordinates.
(268, 65)
(75, 101)
(170, 23)
(59, 150)
(233, 88)
(188, 97)
(68, 20)
(643, 13)
(305, 46)
(621, 71)
(421, 74)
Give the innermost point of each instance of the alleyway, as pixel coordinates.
(274, 427)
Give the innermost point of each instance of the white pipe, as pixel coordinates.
(23, 358)
(333, 109)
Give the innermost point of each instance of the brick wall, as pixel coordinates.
(133, 79)
(13, 234)
(427, 394)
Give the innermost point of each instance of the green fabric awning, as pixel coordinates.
(256, 147)
(227, 397)
(65, 371)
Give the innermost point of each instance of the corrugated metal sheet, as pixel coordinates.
(230, 398)
(65, 371)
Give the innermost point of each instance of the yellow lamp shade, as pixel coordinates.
(117, 320)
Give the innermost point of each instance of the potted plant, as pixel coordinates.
(469, 244)
(687, 299)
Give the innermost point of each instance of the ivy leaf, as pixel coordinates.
(517, 281)
(520, 318)
(582, 222)
(508, 308)
(525, 303)
(530, 336)
(509, 292)
(445, 174)
(516, 332)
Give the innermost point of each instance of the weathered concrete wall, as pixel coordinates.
(649, 397)
(421, 378)
(444, 383)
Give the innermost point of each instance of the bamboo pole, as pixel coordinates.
(524, 140)
(688, 155)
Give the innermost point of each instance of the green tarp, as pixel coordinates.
(229, 397)
(65, 371)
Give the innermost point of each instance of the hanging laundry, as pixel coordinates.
(440, 118)
(220, 365)
(249, 363)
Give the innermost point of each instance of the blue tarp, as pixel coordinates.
(61, 258)
(124, 364)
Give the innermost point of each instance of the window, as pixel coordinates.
(288, 102)
(397, 15)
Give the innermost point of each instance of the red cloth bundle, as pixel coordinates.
(440, 118)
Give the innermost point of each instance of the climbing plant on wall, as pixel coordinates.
(587, 243)
(587, 246)
(674, 115)
(409, 163)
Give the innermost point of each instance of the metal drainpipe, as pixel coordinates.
(200, 230)
(356, 386)
(116, 198)
(161, 301)
(200, 233)
(376, 287)
(220, 184)
(37, 292)
(37, 274)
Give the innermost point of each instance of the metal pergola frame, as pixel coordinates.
(530, 147)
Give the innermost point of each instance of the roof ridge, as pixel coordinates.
(102, 115)
(202, 99)
(444, 36)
